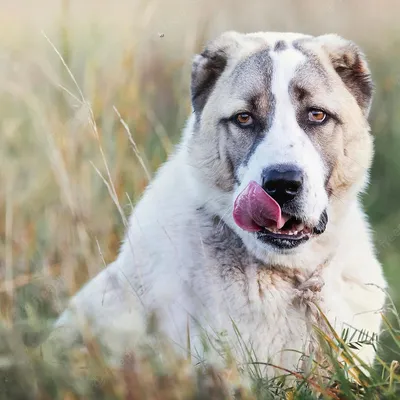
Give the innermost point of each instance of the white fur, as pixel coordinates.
(163, 265)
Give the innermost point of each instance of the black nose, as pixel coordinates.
(282, 182)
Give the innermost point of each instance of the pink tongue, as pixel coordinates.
(254, 208)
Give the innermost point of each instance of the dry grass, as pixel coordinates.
(74, 156)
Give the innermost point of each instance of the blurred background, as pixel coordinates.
(67, 160)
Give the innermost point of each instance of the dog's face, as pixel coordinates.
(281, 131)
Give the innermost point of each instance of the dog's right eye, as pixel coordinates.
(244, 119)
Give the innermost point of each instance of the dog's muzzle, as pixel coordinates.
(271, 210)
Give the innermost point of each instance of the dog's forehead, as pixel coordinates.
(255, 72)
(293, 59)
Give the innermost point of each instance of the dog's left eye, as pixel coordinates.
(316, 115)
(244, 119)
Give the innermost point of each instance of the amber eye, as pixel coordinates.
(315, 115)
(244, 119)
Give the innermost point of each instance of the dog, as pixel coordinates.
(254, 223)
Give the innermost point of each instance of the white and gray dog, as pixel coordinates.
(256, 215)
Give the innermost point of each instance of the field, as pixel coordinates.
(93, 98)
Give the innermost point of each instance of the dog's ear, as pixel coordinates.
(209, 65)
(351, 65)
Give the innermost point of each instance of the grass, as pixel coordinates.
(156, 372)
(73, 161)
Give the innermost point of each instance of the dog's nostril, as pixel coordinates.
(283, 182)
(293, 187)
(270, 187)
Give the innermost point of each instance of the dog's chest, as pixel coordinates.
(281, 299)
(270, 309)
(269, 306)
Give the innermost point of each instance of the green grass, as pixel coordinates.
(71, 169)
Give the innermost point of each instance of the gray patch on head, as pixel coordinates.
(280, 45)
(254, 75)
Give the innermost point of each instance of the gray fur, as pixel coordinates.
(254, 76)
(280, 45)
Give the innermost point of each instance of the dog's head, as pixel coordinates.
(280, 132)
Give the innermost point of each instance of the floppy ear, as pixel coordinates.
(350, 64)
(209, 65)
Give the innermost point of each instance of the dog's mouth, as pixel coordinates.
(291, 235)
(256, 211)
(294, 228)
